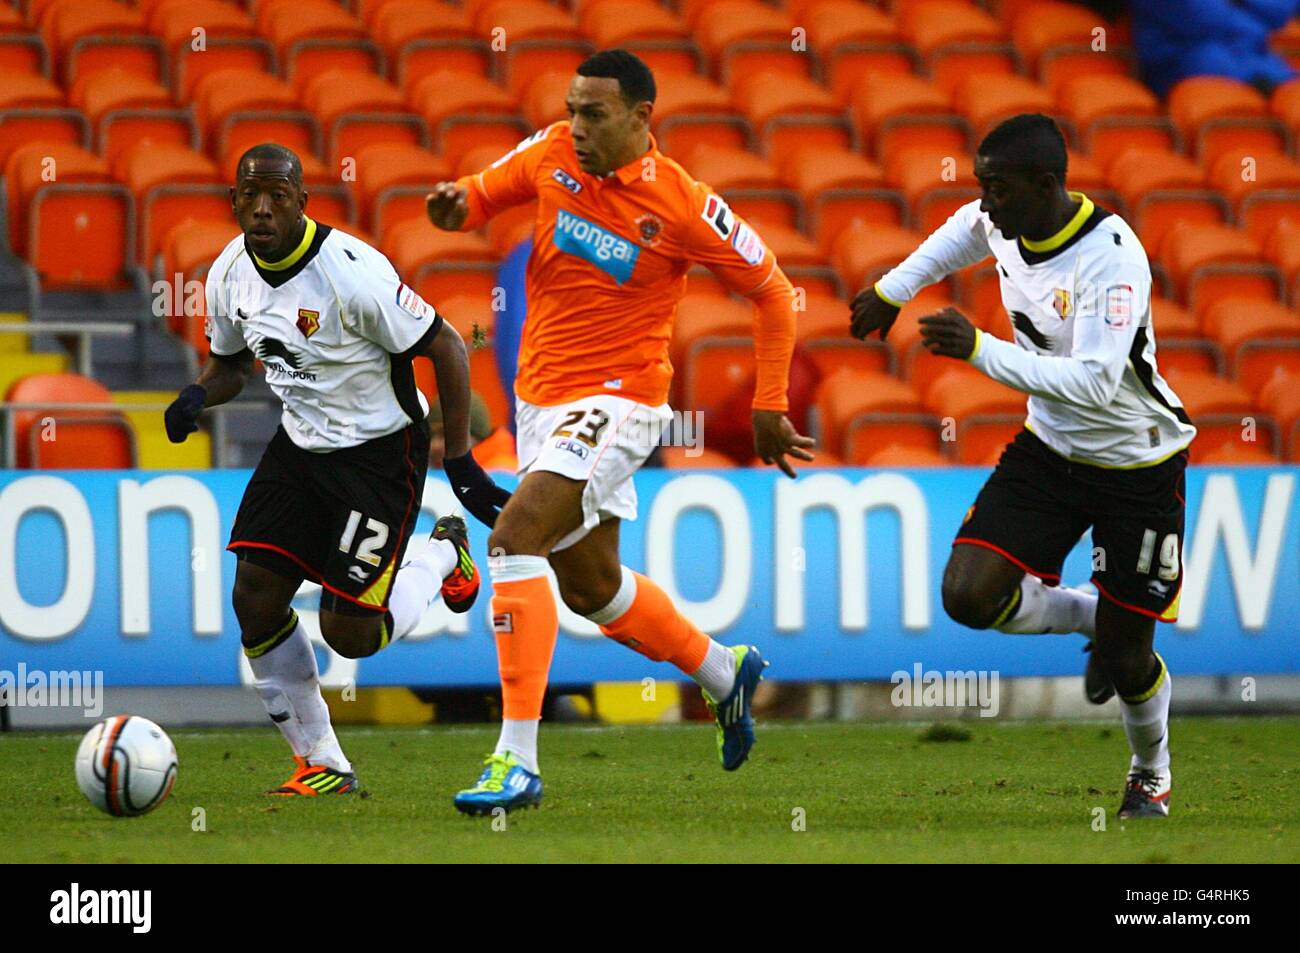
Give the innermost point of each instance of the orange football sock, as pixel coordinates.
(526, 625)
(653, 626)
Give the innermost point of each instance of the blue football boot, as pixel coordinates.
(735, 723)
(504, 783)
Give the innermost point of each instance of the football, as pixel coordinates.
(126, 765)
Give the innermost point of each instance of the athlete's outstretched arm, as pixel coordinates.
(220, 380)
(451, 366)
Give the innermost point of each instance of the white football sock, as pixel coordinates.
(288, 683)
(1046, 610)
(1146, 723)
(418, 583)
(519, 737)
(717, 673)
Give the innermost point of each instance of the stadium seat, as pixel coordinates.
(837, 188)
(957, 40)
(315, 36)
(33, 109)
(960, 391)
(716, 368)
(803, 262)
(1238, 454)
(1093, 102)
(1285, 105)
(23, 52)
(984, 104)
(41, 165)
(854, 400)
(697, 458)
(821, 330)
(465, 111)
(693, 110)
(1282, 248)
(1191, 354)
(470, 314)
(393, 179)
(708, 315)
(1044, 28)
(750, 184)
(896, 112)
(790, 113)
(539, 37)
(1172, 321)
(1223, 412)
(221, 97)
(245, 53)
(911, 360)
(642, 27)
(356, 109)
(439, 264)
(854, 40)
(1209, 113)
(126, 108)
(863, 252)
(934, 183)
(746, 38)
(1264, 188)
(1208, 262)
(424, 37)
(1162, 190)
(91, 35)
(228, 38)
(900, 456)
(69, 439)
(1259, 338)
(191, 245)
(1280, 399)
(543, 101)
(170, 183)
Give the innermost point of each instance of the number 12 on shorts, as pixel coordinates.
(1168, 555)
(366, 551)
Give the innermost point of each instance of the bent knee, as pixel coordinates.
(969, 605)
(349, 637)
(587, 599)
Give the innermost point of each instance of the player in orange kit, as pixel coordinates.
(618, 226)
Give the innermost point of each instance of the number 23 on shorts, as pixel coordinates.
(597, 421)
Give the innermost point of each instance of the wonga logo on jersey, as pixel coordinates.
(612, 254)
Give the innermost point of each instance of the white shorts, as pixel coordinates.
(602, 439)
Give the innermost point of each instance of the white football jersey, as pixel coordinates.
(334, 327)
(1085, 349)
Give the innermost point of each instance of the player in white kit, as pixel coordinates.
(337, 492)
(1104, 445)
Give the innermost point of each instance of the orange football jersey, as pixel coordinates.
(608, 268)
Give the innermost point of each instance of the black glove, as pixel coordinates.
(475, 489)
(182, 417)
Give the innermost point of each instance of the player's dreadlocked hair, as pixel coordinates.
(635, 81)
(1031, 143)
(272, 150)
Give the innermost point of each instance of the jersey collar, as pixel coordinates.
(629, 173)
(276, 273)
(1084, 221)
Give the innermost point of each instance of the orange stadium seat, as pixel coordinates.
(89, 35)
(38, 165)
(1208, 262)
(1172, 321)
(901, 456)
(191, 245)
(86, 439)
(984, 104)
(910, 358)
(1214, 113)
(229, 38)
(693, 110)
(1097, 103)
(538, 36)
(469, 314)
(645, 28)
(1222, 411)
(698, 458)
(716, 369)
(934, 183)
(426, 37)
(858, 411)
(1282, 248)
(1191, 354)
(853, 40)
(803, 262)
(543, 102)
(896, 112)
(170, 183)
(957, 40)
(314, 36)
(1162, 190)
(749, 183)
(23, 53)
(393, 179)
(708, 315)
(1280, 399)
(1258, 338)
(837, 188)
(439, 264)
(1285, 105)
(1238, 454)
(33, 109)
(822, 332)
(746, 38)
(357, 109)
(863, 252)
(791, 113)
(1043, 28)
(1263, 186)
(126, 108)
(465, 111)
(221, 97)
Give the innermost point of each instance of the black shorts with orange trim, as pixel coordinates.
(1037, 504)
(340, 518)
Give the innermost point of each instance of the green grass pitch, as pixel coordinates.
(861, 792)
